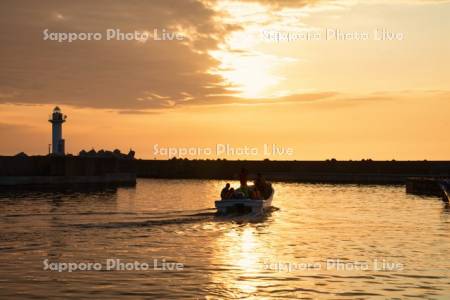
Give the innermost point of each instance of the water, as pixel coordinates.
(383, 244)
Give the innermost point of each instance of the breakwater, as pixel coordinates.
(65, 171)
(425, 186)
(359, 172)
(69, 170)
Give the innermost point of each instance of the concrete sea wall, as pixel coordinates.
(68, 170)
(360, 172)
(425, 186)
(39, 170)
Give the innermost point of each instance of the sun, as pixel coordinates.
(249, 75)
(248, 70)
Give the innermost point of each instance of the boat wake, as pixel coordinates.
(160, 219)
(177, 218)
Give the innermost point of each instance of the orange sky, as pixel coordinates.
(225, 83)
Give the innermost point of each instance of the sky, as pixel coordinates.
(250, 79)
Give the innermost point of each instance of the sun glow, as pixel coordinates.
(248, 71)
(249, 75)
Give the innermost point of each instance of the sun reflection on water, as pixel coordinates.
(242, 250)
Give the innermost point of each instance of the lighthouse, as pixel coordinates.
(57, 119)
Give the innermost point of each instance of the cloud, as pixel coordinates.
(137, 112)
(287, 3)
(301, 3)
(108, 74)
(333, 100)
(127, 76)
(233, 100)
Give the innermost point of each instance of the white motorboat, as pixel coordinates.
(228, 206)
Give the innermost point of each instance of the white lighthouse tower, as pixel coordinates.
(57, 119)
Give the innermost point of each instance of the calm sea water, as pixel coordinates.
(321, 241)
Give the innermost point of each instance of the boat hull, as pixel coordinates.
(245, 206)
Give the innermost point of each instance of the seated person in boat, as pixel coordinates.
(227, 192)
(243, 192)
(263, 190)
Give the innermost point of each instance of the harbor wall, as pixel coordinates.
(76, 169)
(65, 170)
(360, 172)
(424, 186)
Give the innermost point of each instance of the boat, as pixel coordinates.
(244, 206)
(445, 186)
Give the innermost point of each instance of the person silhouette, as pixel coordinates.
(243, 178)
(225, 191)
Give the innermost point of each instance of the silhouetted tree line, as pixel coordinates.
(107, 154)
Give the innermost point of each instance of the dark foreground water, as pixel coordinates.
(322, 241)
